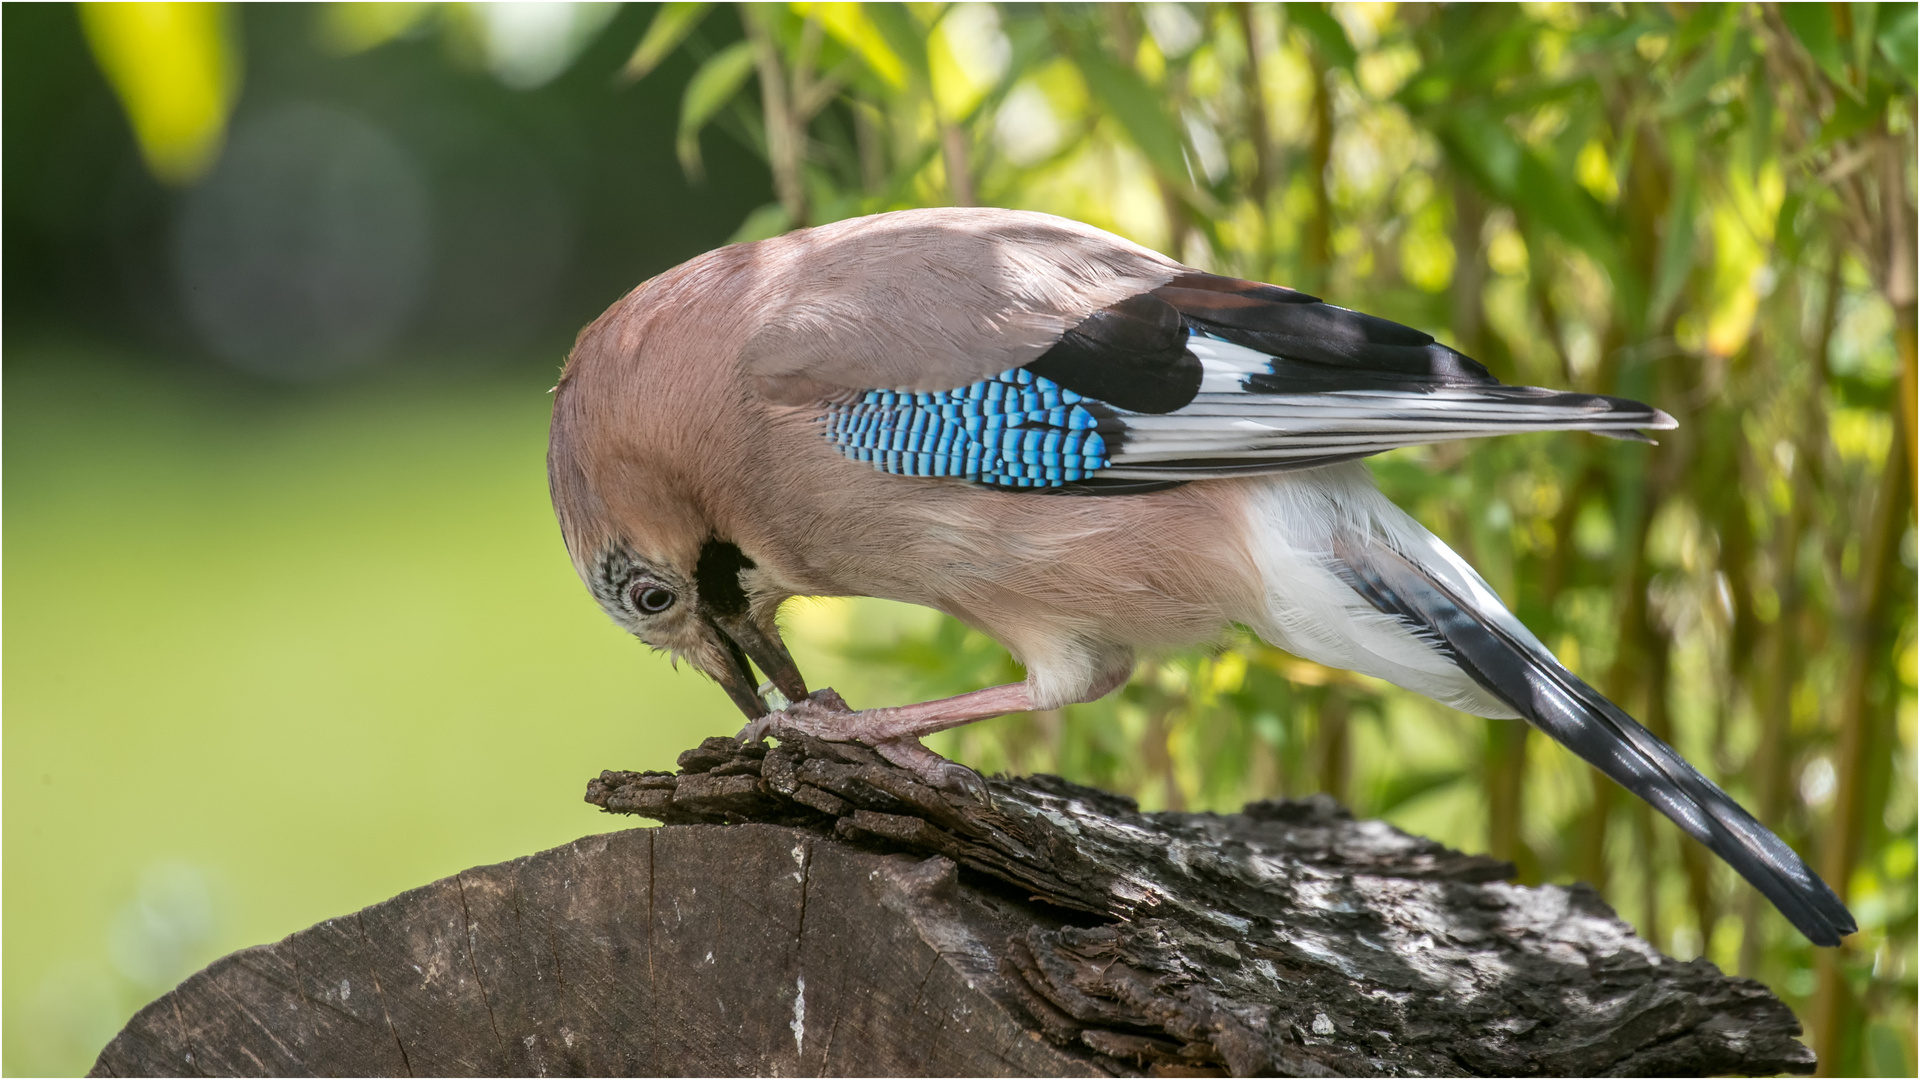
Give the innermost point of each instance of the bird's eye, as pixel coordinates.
(651, 599)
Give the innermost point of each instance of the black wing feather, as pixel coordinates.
(1255, 378)
(1132, 355)
(1318, 347)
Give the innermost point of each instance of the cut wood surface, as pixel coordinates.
(808, 908)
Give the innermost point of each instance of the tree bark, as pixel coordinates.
(809, 908)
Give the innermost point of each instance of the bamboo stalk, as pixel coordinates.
(1316, 238)
(1901, 288)
(1159, 755)
(1332, 749)
(785, 144)
(1784, 660)
(953, 149)
(1253, 90)
(1858, 733)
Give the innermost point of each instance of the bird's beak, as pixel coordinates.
(744, 639)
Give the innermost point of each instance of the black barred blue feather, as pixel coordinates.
(1016, 430)
(1208, 377)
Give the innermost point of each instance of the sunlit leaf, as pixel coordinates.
(175, 72)
(856, 27)
(670, 26)
(903, 33)
(967, 56)
(711, 87)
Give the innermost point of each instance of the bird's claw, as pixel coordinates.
(935, 771)
(821, 714)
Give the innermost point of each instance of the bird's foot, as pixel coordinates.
(824, 714)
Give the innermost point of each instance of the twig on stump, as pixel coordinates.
(811, 908)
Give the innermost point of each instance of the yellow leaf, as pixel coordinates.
(175, 71)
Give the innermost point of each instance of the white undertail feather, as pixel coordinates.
(1313, 612)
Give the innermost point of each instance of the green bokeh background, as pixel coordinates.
(311, 650)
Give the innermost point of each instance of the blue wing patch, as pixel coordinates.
(1016, 430)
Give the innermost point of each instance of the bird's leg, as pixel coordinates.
(828, 718)
(894, 731)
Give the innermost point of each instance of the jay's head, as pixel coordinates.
(659, 557)
(714, 610)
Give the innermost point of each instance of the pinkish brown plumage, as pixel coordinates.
(1077, 446)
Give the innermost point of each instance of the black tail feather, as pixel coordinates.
(1557, 702)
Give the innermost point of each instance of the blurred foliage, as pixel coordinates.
(1708, 207)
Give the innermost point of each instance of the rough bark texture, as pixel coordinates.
(810, 909)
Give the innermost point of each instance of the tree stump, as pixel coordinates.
(808, 908)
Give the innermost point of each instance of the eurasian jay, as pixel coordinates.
(1081, 448)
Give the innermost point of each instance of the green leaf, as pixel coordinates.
(1675, 259)
(1760, 102)
(1404, 787)
(1786, 228)
(769, 220)
(1851, 117)
(1895, 38)
(1140, 109)
(1697, 27)
(1865, 16)
(1692, 87)
(711, 87)
(1813, 25)
(1515, 175)
(1328, 36)
(664, 34)
(1487, 148)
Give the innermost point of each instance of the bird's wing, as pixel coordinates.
(1201, 377)
(924, 300)
(1440, 599)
